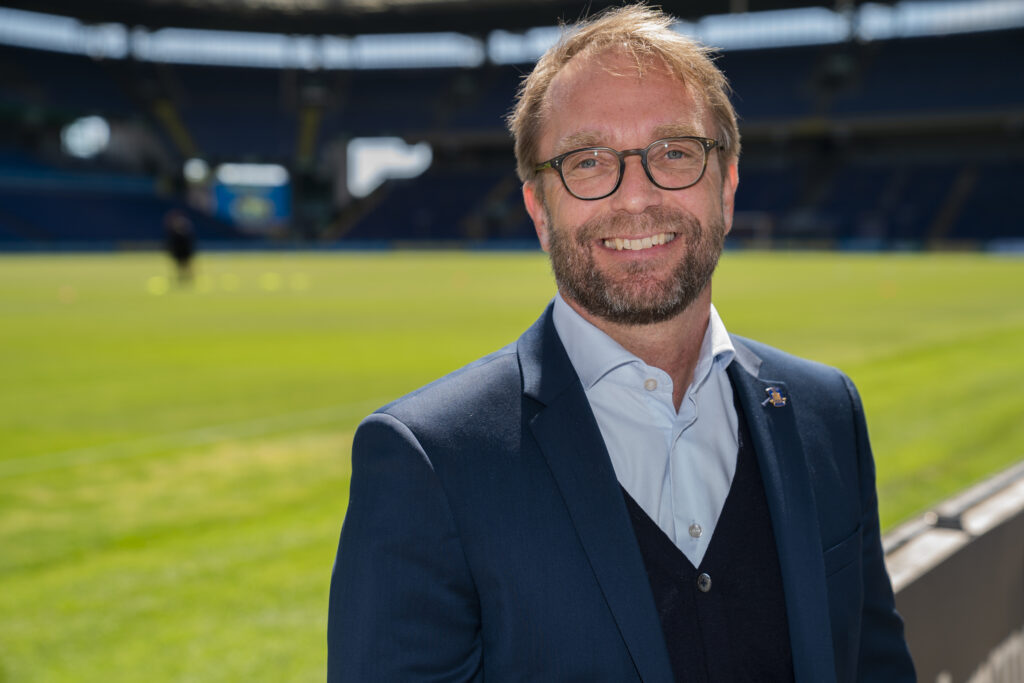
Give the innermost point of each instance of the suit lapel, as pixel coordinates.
(794, 517)
(568, 435)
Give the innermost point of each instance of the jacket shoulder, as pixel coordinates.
(783, 366)
(474, 398)
(820, 387)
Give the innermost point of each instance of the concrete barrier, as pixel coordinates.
(958, 574)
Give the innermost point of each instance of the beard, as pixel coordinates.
(639, 293)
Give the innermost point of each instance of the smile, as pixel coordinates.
(618, 243)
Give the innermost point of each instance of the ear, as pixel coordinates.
(730, 180)
(535, 207)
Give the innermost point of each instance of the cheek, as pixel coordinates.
(709, 203)
(568, 214)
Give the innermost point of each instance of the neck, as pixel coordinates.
(672, 345)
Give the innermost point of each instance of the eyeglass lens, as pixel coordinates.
(673, 164)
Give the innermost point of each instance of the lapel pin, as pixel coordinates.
(775, 398)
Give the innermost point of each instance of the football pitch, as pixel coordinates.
(174, 461)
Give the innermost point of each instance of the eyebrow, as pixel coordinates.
(593, 138)
(676, 130)
(584, 138)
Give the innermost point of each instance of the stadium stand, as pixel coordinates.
(440, 204)
(396, 102)
(93, 217)
(991, 209)
(935, 75)
(897, 142)
(772, 84)
(61, 84)
(250, 119)
(488, 91)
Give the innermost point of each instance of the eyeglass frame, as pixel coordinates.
(555, 163)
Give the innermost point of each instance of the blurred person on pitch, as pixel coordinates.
(180, 243)
(627, 492)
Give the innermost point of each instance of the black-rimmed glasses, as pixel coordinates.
(596, 172)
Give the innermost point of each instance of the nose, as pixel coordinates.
(636, 192)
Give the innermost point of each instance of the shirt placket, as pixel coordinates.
(687, 496)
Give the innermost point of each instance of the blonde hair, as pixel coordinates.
(645, 34)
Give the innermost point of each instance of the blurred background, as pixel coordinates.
(336, 122)
(174, 438)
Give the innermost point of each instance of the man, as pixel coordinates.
(181, 243)
(626, 492)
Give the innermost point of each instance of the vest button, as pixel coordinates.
(704, 583)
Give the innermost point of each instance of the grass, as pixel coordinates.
(174, 462)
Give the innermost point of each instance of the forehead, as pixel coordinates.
(610, 100)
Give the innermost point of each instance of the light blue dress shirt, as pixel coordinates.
(678, 466)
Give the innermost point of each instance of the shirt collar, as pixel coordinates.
(715, 349)
(594, 354)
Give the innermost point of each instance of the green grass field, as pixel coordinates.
(174, 462)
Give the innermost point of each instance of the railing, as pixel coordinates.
(958, 574)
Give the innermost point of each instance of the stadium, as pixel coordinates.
(174, 443)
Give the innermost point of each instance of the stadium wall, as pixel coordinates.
(958, 574)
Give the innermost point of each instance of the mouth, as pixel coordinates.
(640, 243)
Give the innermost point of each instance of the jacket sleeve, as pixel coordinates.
(403, 605)
(883, 652)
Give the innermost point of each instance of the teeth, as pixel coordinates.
(618, 243)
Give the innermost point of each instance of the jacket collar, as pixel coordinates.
(567, 434)
(793, 509)
(547, 371)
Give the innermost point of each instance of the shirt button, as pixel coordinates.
(704, 583)
(695, 531)
(650, 384)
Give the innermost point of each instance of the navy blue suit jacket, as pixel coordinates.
(487, 538)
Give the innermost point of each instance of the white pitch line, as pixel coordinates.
(184, 439)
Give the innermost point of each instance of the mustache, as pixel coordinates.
(653, 220)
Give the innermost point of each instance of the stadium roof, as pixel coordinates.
(351, 17)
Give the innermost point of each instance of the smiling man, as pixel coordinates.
(627, 492)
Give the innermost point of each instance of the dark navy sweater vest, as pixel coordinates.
(724, 621)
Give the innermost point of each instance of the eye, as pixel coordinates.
(589, 162)
(677, 153)
(672, 152)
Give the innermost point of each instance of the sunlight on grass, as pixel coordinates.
(174, 461)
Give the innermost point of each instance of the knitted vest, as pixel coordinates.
(724, 621)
